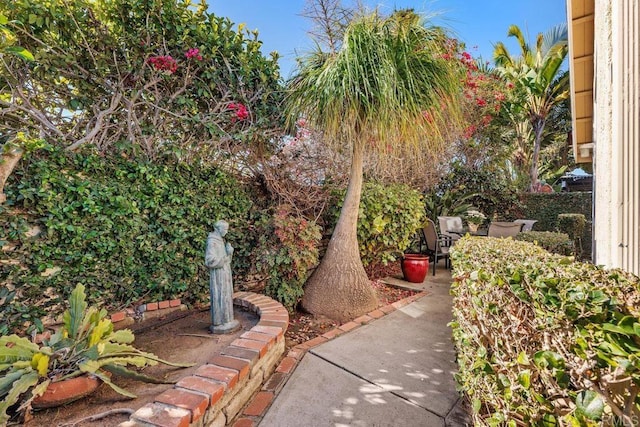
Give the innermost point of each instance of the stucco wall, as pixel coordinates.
(617, 134)
(604, 195)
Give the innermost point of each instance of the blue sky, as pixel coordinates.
(478, 23)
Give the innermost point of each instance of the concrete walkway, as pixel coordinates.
(395, 371)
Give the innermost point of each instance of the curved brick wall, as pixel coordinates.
(218, 390)
(239, 384)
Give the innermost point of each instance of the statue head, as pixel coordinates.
(221, 227)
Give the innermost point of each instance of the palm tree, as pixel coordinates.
(535, 76)
(371, 94)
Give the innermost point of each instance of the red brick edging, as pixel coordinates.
(239, 384)
(218, 390)
(257, 407)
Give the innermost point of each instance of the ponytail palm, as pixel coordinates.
(388, 89)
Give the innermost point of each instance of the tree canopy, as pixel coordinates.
(538, 83)
(387, 89)
(162, 75)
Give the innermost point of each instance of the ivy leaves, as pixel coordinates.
(560, 339)
(127, 230)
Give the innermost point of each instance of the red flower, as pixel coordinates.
(194, 52)
(165, 64)
(481, 102)
(241, 112)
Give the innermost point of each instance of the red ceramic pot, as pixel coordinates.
(65, 391)
(415, 267)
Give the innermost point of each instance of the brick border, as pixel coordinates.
(218, 390)
(259, 403)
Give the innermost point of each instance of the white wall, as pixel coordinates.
(617, 134)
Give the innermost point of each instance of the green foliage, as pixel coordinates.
(557, 243)
(126, 230)
(547, 207)
(85, 344)
(96, 64)
(539, 84)
(446, 203)
(6, 41)
(388, 219)
(485, 187)
(543, 340)
(288, 249)
(574, 226)
(396, 70)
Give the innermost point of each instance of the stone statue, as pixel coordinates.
(218, 259)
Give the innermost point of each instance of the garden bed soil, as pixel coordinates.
(184, 337)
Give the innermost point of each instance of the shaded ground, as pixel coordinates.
(184, 337)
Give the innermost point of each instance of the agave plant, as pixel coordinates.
(447, 203)
(85, 344)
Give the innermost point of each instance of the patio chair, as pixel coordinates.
(504, 229)
(437, 247)
(451, 226)
(527, 224)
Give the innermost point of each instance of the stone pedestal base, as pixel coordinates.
(225, 328)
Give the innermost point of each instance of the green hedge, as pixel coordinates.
(557, 243)
(546, 208)
(126, 230)
(543, 340)
(287, 250)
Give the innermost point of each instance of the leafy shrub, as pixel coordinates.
(557, 243)
(167, 76)
(388, 218)
(446, 203)
(287, 251)
(547, 207)
(486, 187)
(543, 340)
(126, 230)
(573, 225)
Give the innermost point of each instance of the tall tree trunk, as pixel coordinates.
(538, 128)
(339, 288)
(8, 162)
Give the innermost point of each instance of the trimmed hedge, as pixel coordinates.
(557, 243)
(543, 340)
(126, 230)
(547, 207)
(574, 226)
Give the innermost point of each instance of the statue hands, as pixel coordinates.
(228, 248)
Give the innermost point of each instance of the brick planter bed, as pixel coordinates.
(218, 390)
(239, 384)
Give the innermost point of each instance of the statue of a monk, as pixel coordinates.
(218, 259)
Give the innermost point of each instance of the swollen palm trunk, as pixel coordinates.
(340, 288)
